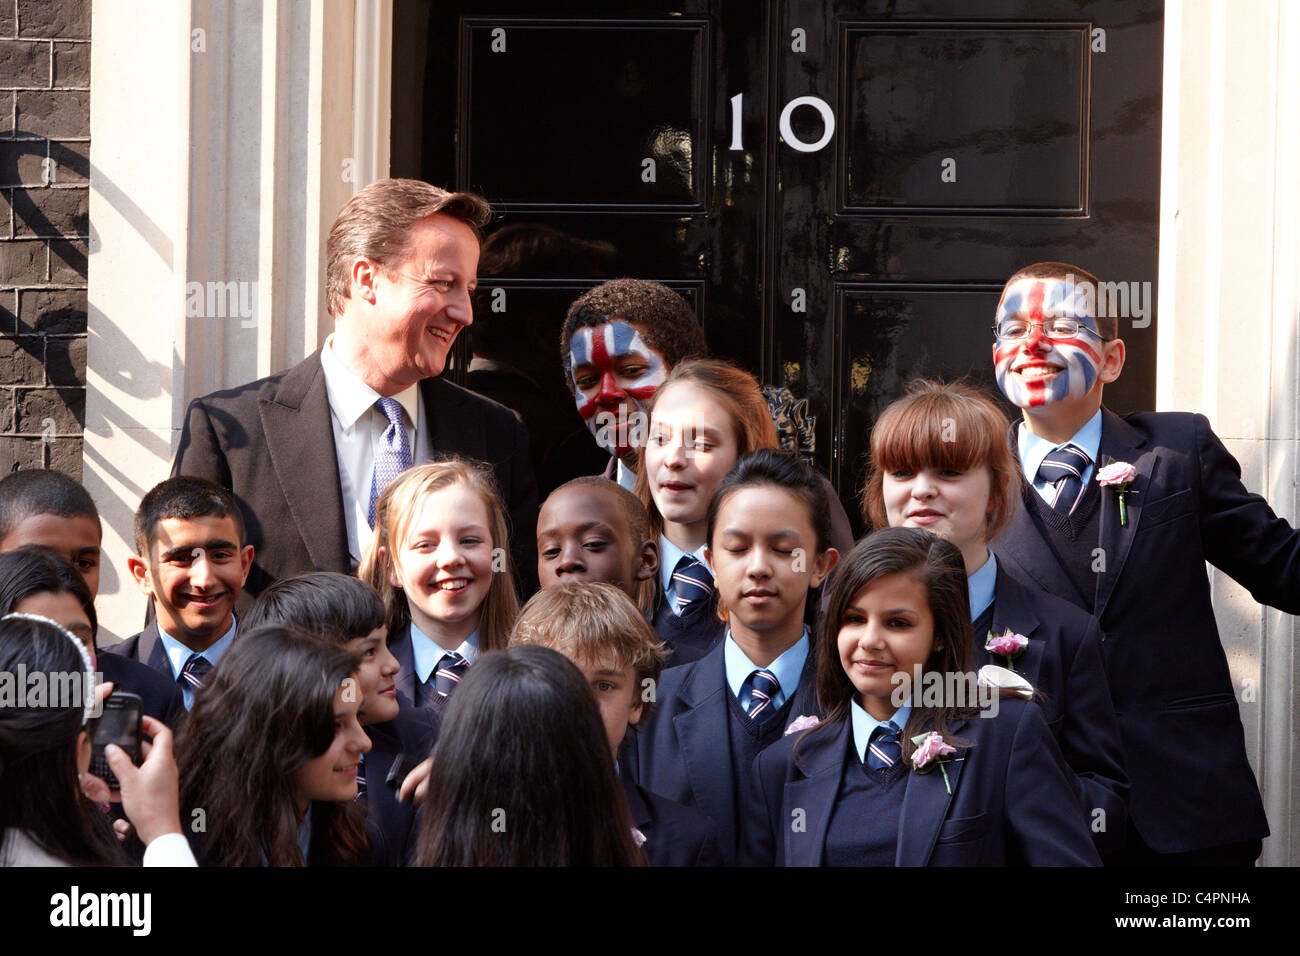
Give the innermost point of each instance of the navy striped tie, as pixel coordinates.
(196, 671)
(693, 584)
(1064, 468)
(883, 750)
(763, 688)
(448, 672)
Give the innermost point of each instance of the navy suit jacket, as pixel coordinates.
(271, 443)
(1012, 799)
(412, 732)
(675, 835)
(159, 693)
(684, 752)
(1063, 662)
(1192, 787)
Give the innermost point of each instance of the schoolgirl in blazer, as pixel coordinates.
(939, 461)
(945, 785)
(983, 822)
(705, 417)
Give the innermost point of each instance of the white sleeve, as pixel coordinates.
(170, 849)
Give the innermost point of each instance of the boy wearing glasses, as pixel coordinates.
(1132, 551)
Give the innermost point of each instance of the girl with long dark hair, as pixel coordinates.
(268, 756)
(522, 773)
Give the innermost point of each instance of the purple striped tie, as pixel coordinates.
(393, 456)
(196, 671)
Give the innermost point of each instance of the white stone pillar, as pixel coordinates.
(1229, 315)
(224, 141)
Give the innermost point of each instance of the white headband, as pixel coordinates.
(88, 704)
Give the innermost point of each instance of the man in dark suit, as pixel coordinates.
(307, 451)
(1133, 553)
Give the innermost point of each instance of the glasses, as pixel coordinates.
(1016, 330)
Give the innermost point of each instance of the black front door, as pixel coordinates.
(839, 188)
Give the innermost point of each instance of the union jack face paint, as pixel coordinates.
(1038, 370)
(614, 374)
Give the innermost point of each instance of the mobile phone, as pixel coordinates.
(119, 724)
(403, 765)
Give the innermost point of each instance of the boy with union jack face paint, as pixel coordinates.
(1052, 355)
(620, 340)
(1129, 544)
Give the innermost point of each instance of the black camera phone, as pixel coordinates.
(119, 724)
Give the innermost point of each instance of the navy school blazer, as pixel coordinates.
(1063, 662)
(412, 732)
(675, 835)
(691, 637)
(1173, 693)
(1012, 799)
(159, 693)
(684, 752)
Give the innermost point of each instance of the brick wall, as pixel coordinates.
(44, 187)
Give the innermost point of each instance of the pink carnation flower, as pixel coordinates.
(802, 723)
(1008, 644)
(929, 748)
(1116, 473)
(638, 837)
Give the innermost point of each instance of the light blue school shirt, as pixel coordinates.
(178, 654)
(1033, 450)
(786, 669)
(864, 725)
(427, 652)
(980, 586)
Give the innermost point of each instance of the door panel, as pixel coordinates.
(970, 138)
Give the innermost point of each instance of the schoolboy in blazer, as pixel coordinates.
(1186, 505)
(982, 822)
(192, 559)
(287, 445)
(684, 753)
(675, 834)
(1063, 662)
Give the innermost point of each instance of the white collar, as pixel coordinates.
(350, 398)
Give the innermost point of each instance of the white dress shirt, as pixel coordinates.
(358, 427)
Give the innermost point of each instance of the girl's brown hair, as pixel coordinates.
(738, 393)
(945, 426)
(259, 717)
(394, 512)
